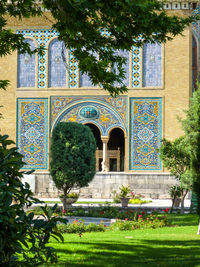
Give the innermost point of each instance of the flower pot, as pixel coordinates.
(124, 202)
(69, 201)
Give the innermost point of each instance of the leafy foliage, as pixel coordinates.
(127, 23)
(20, 232)
(78, 226)
(9, 40)
(176, 159)
(72, 163)
(191, 127)
(81, 23)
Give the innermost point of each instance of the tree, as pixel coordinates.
(191, 126)
(176, 159)
(126, 22)
(9, 40)
(81, 25)
(72, 153)
(20, 233)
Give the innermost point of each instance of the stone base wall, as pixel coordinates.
(152, 185)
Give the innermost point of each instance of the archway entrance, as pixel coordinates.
(116, 150)
(99, 144)
(110, 151)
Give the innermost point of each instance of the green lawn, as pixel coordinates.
(170, 246)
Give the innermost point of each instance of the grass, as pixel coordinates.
(170, 246)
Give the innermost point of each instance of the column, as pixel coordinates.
(105, 154)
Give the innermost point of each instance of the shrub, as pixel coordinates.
(20, 233)
(78, 226)
(72, 151)
(142, 222)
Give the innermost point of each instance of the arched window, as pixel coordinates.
(152, 64)
(57, 64)
(194, 63)
(26, 68)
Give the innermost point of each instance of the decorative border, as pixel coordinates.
(145, 133)
(32, 131)
(61, 103)
(136, 67)
(73, 70)
(113, 111)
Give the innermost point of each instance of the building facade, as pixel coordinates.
(49, 88)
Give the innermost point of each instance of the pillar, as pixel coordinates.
(105, 154)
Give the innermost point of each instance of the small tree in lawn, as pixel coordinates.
(72, 163)
(191, 126)
(176, 158)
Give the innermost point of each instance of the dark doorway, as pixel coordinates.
(99, 144)
(116, 144)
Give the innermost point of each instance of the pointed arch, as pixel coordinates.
(57, 72)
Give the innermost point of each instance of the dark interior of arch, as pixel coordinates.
(116, 142)
(97, 135)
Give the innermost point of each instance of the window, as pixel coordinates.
(57, 64)
(152, 65)
(26, 67)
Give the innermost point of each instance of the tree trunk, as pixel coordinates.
(65, 192)
(171, 210)
(183, 195)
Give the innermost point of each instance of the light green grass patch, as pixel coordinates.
(169, 246)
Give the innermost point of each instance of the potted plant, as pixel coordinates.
(70, 198)
(175, 194)
(124, 195)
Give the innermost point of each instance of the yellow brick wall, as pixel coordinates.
(175, 91)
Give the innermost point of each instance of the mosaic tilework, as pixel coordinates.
(73, 70)
(84, 80)
(152, 64)
(32, 131)
(105, 119)
(196, 24)
(26, 68)
(118, 105)
(136, 67)
(42, 37)
(145, 133)
(57, 67)
(125, 54)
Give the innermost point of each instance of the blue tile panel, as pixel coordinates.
(152, 65)
(57, 64)
(26, 68)
(136, 67)
(145, 133)
(104, 111)
(84, 80)
(42, 38)
(126, 55)
(32, 131)
(150, 70)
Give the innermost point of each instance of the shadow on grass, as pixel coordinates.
(183, 219)
(135, 253)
